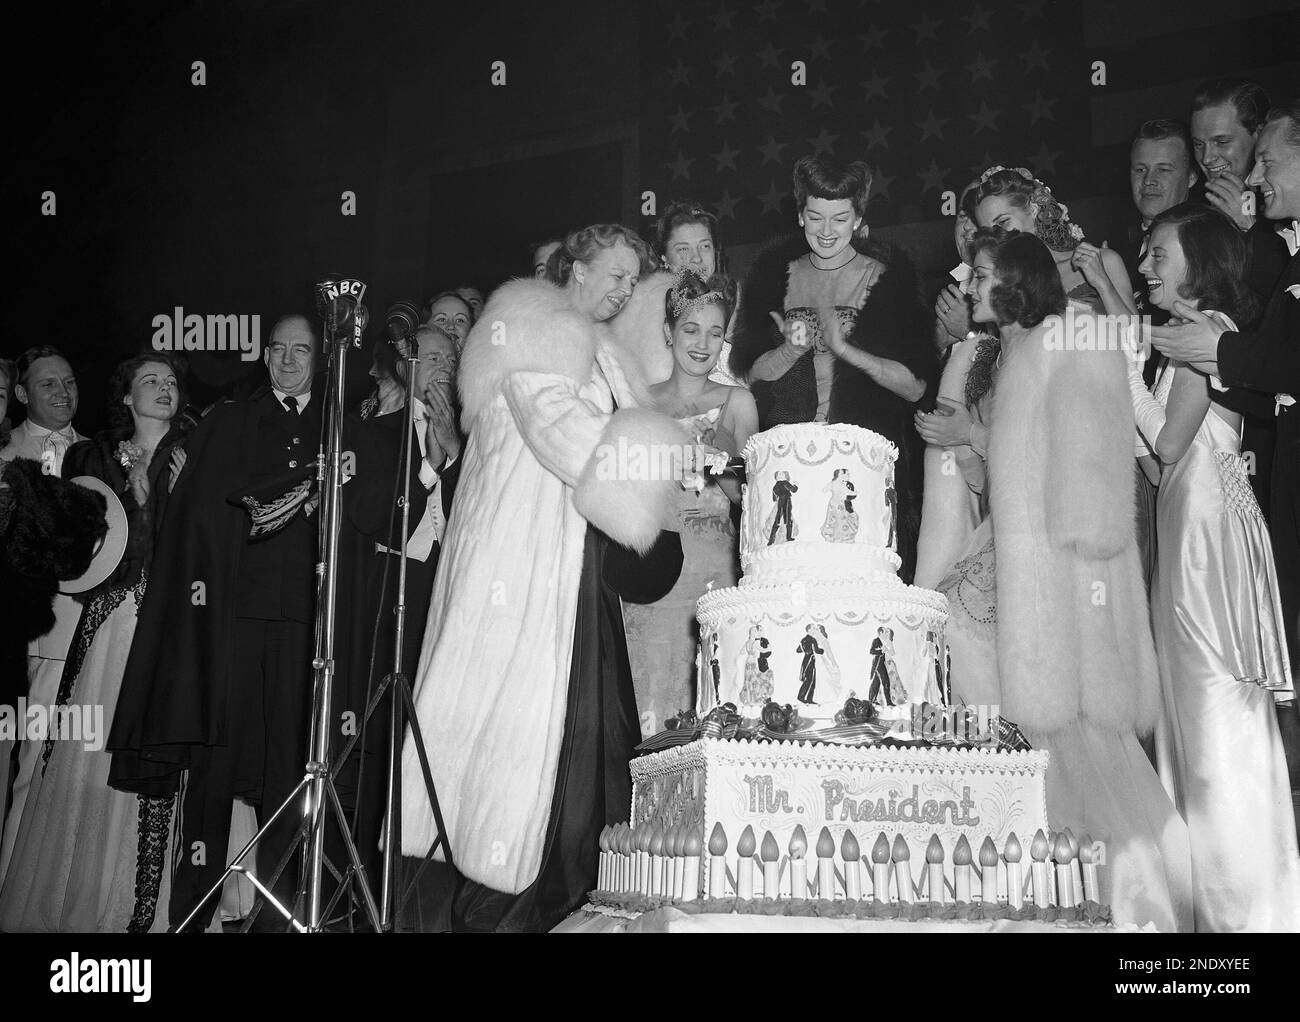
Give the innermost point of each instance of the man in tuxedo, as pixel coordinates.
(46, 385)
(369, 551)
(1227, 115)
(783, 492)
(219, 676)
(879, 670)
(1266, 360)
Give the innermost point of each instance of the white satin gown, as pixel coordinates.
(1217, 621)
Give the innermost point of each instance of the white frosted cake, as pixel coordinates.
(828, 826)
(820, 612)
(888, 832)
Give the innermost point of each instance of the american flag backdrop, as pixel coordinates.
(928, 92)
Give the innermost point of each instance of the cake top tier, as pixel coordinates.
(818, 434)
(819, 503)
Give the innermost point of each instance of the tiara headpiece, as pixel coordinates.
(682, 304)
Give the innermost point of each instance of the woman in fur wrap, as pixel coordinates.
(830, 329)
(1075, 664)
(523, 691)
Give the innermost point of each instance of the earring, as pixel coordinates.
(669, 342)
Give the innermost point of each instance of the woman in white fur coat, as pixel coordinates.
(523, 693)
(1075, 661)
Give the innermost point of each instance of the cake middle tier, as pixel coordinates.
(819, 503)
(814, 644)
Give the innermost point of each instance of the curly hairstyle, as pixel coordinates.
(583, 244)
(1216, 255)
(120, 383)
(1052, 223)
(826, 180)
(1028, 287)
(679, 214)
(690, 286)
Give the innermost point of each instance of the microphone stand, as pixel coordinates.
(317, 783)
(402, 698)
(396, 686)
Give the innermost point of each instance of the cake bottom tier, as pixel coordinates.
(908, 805)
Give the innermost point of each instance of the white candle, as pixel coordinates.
(745, 848)
(988, 872)
(1038, 851)
(852, 856)
(679, 863)
(825, 866)
(1088, 859)
(1011, 853)
(902, 857)
(880, 869)
(693, 849)
(798, 849)
(961, 860)
(624, 848)
(718, 862)
(657, 862)
(934, 869)
(643, 859)
(600, 869)
(1051, 873)
(1064, 873)
(770, 853)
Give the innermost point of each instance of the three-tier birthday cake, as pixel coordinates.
(872, 827)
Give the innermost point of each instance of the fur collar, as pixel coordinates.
(529, 326)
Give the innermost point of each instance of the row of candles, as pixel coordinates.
(655, 861)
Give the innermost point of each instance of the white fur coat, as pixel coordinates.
(538, 389)
(1074, 633)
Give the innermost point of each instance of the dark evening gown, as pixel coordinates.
(592, 786)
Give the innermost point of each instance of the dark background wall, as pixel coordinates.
(226, 198)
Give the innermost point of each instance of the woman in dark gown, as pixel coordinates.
(830, 328)
(89, 858)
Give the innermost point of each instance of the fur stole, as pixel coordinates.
(1074, 634)
(529, 326)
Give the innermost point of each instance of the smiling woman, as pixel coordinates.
(539, 547)
(662, 637)
(830, 329)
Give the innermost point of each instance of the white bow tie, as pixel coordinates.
(1291, 235)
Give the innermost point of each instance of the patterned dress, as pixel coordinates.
(662, 636)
